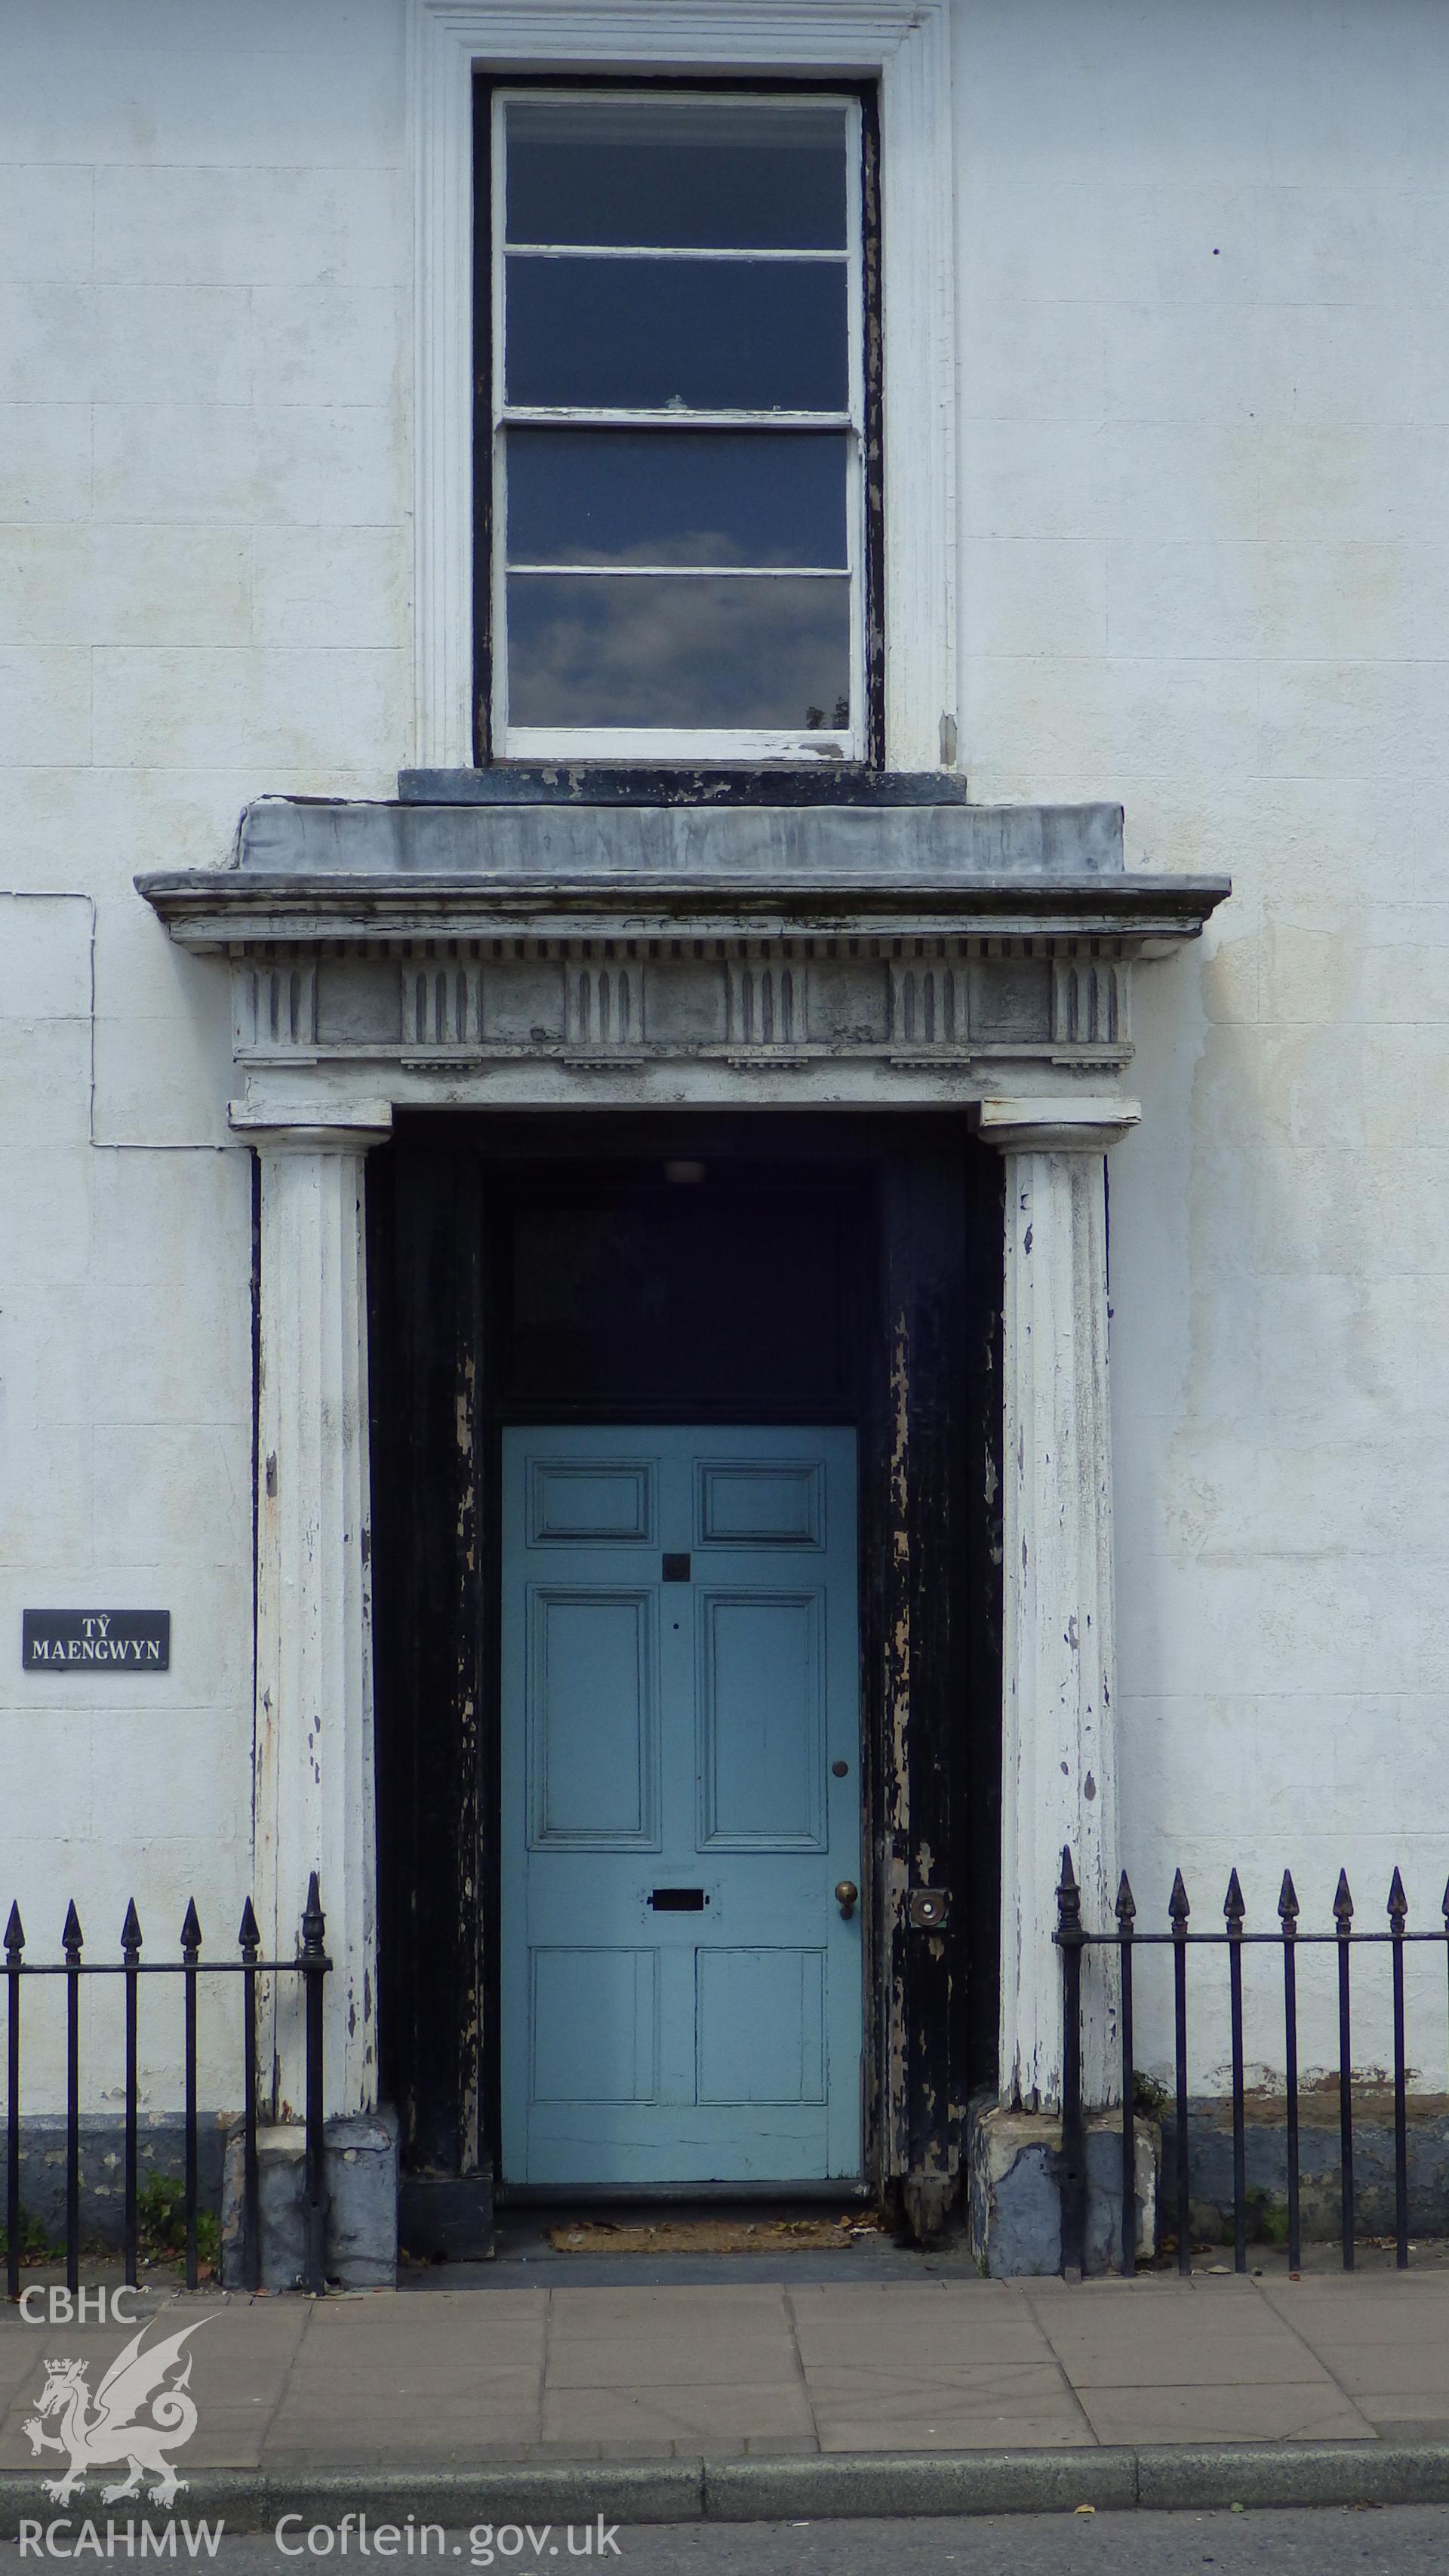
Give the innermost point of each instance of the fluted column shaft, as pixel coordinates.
(1059, 1774)
(314, 1791)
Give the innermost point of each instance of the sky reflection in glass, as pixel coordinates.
(685, 650)
(676, 496)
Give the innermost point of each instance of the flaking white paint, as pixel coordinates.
(1059, 1752)
(314, 1741)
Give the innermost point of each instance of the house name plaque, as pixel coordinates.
(124, 1641)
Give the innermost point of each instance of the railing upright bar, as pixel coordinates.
(1343, 1922)
(1126, 1915)
(314, 1964)
(1233, 1916)
(250, 1940)
(131, 1957)
(191, 1952)
(1288, 1916)
(72, 1939)
(1178, 1911)
(1444, 1910)
(14, 1947)
(1074, 2175)
(1398, 1913)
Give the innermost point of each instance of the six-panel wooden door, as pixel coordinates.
(681, 1798)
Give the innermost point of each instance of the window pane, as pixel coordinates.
(636, 334)
(676, 496)
(678, 651)
(680, 175)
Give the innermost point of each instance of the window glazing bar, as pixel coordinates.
(728, 745)
(630, 250)
(571, 417)
(688, 572)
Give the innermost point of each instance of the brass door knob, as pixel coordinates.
(847, 1896)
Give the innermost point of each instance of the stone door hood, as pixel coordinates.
(526, 949)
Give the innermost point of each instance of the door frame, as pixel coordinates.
(927, 1415)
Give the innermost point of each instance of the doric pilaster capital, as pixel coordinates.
(276, 1129)
(1056, 1123)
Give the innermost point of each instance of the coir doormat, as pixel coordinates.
(713, 2235)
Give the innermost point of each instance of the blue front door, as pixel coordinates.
(681, 1795)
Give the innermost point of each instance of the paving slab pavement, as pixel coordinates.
(948, 2386)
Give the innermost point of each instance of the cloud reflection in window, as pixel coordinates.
(688, 651)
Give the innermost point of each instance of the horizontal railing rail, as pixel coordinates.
(310, 1965)
(1073, 1939)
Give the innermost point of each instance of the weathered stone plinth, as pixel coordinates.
(360, 2169)
(1015, 2190)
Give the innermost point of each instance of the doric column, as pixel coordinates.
(313, 1781)
(1059, 1681)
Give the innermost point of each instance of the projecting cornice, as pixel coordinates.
(891, 950)
(212, 910)
(349, 872)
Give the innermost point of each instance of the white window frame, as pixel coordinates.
(904, 45)
(735, 744)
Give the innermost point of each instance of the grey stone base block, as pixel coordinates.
(362, 2167)
(360, 2171)
(1265, 2134)
(1015, 2189)
(280, 2153)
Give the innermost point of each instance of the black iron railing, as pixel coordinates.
(311, 1965)
(1073, 1939)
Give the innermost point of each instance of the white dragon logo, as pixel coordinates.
(100, 2425)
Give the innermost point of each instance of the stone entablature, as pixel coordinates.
(949, 942)
(454, 1002)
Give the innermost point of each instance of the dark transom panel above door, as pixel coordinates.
(669, 1282)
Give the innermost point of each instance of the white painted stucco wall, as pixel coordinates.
(1204, 568)
(205, 316)
(1204, 262)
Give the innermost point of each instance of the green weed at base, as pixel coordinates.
(161, 2225)
(36, 2246)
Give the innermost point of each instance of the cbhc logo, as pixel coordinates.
(62, 2307)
